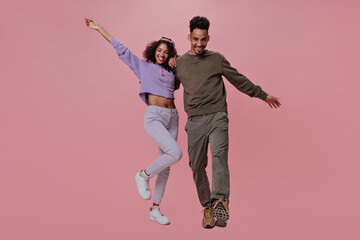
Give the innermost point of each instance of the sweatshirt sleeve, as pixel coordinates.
(241, 82)
(128, 57)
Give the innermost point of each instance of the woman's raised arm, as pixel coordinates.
(91, 23)
(128, 57)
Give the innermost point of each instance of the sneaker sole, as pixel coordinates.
(219, 223)
(208, 226)
(221, 214)
(154, 219)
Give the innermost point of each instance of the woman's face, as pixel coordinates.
(161, 53)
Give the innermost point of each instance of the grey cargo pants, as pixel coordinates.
(202, 130)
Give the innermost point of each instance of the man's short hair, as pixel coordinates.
(200, 23)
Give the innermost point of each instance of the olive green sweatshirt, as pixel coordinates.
(204, 89)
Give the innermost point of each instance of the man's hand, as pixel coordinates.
(272, 101)
(172, 62)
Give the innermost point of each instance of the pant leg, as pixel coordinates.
(219, 145)
(156, 121)
(196, 129)
(160, 185)
(163, 176)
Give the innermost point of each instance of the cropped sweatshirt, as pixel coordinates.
(154, 78)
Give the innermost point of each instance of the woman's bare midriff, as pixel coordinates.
(161, 101)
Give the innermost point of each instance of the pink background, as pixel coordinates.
(71, 121)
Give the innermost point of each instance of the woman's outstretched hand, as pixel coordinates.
(91, 23)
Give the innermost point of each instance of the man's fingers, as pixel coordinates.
(274, 105)
(273, 102)
(172, 63)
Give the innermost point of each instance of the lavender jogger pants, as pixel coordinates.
(162, 124)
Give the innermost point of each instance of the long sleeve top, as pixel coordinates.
(154, 78)
(204, 89)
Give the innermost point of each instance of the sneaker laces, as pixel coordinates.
(207, 212)
(157, 210)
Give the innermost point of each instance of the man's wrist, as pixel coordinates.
(263, 96)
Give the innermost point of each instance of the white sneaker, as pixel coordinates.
(142, 182)
(157, 216)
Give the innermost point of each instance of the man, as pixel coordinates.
(200, 71)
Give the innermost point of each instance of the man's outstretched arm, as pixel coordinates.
(244, 85)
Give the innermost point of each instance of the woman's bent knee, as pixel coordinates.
(176, 155)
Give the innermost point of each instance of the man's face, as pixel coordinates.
(198, 39)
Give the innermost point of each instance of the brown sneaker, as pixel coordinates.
(221, 212)
(208, 219)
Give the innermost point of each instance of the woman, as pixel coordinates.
(157, 85)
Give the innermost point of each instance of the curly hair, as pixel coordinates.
(149, 52)
(200, 23)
